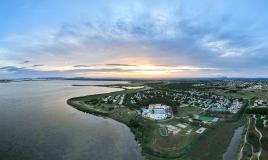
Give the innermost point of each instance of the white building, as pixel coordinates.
(157, 112)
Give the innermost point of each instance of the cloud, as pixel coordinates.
(19, 72)
(118, 64)
(25, 62)
(38, 65)
(80, 66)
(10, 69)
(222, 47)
(102, 69)
(121, 37)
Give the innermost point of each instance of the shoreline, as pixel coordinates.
(145, 151)
(141, 127)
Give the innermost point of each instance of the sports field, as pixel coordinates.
(206, 118)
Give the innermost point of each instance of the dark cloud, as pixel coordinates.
(18, 72)
(25, 62)
(38, 65)
(99, 70)
(11, 69)
(119, 64)
(80, 66)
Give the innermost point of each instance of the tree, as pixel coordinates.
(134, 123)
(259, 123)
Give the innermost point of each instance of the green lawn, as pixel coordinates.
(206, 118)
(188, 111)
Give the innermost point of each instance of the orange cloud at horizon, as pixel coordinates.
(129, 71)
(149, 71)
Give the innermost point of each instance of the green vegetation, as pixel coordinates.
(247, 152)
(238, 93)
(157, 98)
(259, 123)
(188, 111)
(261, 111)
(253, 136)
(157, 142)
(154, 139)
(264, 142)
(214, 142)
(206, 118)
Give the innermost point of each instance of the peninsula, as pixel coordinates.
(178, 119)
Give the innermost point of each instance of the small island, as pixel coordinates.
(184, 120)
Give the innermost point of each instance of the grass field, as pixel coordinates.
(206, 118)
(214, 142)
(169, 146)
(242, 94)
(188, 111)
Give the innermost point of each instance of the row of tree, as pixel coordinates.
(261, 111)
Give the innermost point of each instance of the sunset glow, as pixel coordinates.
(135, 39)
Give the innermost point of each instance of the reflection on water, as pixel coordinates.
(36, 123)
(232, 150)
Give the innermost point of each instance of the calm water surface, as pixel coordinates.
(233, 148)
(36, 123)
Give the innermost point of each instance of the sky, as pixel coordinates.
(133, 38)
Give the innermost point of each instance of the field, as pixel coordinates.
(188, 110)
(206, 118)
(241, 94)
(171, 145)
(214, 143)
